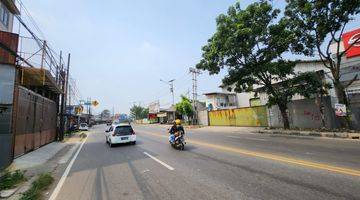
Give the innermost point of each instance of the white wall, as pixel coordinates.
(217, 99)
(7, 79)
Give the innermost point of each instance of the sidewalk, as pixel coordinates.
(314, 133)
(46, 159)
(39, 156)
(264, 130)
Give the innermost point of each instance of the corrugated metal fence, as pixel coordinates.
(35, 118)
(251, 116)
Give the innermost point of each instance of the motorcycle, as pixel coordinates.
(179, 142)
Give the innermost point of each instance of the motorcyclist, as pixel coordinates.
(174, 129)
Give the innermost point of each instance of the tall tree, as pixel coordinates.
(319, 24)
(138, 112)
(250, 44)
(184, 107)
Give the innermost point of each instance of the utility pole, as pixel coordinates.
(89, 109)
(171, 84)
(195, 73)
(62, 96)
(69, 89)
(66, 87)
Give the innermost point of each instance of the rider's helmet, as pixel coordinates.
(178, 122)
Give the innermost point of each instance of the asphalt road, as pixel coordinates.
(214, 165)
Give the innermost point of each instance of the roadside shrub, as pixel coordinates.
(10, 179)
(39, 185)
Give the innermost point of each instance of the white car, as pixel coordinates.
(83, 127)
(120, 133)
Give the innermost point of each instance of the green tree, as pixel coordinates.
(138, 112)
(184, 107)
(250, 43)
(317, 25)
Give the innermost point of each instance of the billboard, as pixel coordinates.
(154, 107)
(352, 38)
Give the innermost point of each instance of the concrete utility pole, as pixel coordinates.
(171, 84)
(195, 73)
(67, 91)
(63, 99)
(89, 109)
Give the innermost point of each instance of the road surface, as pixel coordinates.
(214, 165)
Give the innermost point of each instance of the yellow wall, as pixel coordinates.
(253, 116)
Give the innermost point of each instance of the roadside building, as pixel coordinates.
(221, 100)
(248, 99)
(8, 48)
(30, 92)
(350, 72)
(154, 109)
(303, 113)
(166, 115)
(7, 11)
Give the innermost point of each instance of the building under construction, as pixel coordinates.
(33, 86)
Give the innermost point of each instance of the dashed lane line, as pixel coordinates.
(159, 161)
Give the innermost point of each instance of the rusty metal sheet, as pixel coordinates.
(35, 121)
(10, 42)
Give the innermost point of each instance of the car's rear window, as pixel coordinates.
(123, 130)
(83, 125)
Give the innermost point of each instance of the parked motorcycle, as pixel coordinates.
(179, 142)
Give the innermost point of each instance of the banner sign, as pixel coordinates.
(350, 38)
(154, 107)
(340, 110)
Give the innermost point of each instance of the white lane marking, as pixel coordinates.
(257, 139)
(159, 161)
(230, 136)
(66, 173)
(247, 138)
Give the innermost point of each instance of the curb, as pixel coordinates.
(312, 134)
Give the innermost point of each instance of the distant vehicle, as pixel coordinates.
(83, 127)
(108, 123)
(120, 133)
(115, 122)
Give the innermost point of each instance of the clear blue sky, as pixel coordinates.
(121, 49)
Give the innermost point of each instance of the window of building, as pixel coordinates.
(4, 15)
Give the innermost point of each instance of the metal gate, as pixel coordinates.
(35, 121)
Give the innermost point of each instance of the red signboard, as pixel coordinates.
(352, 38)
